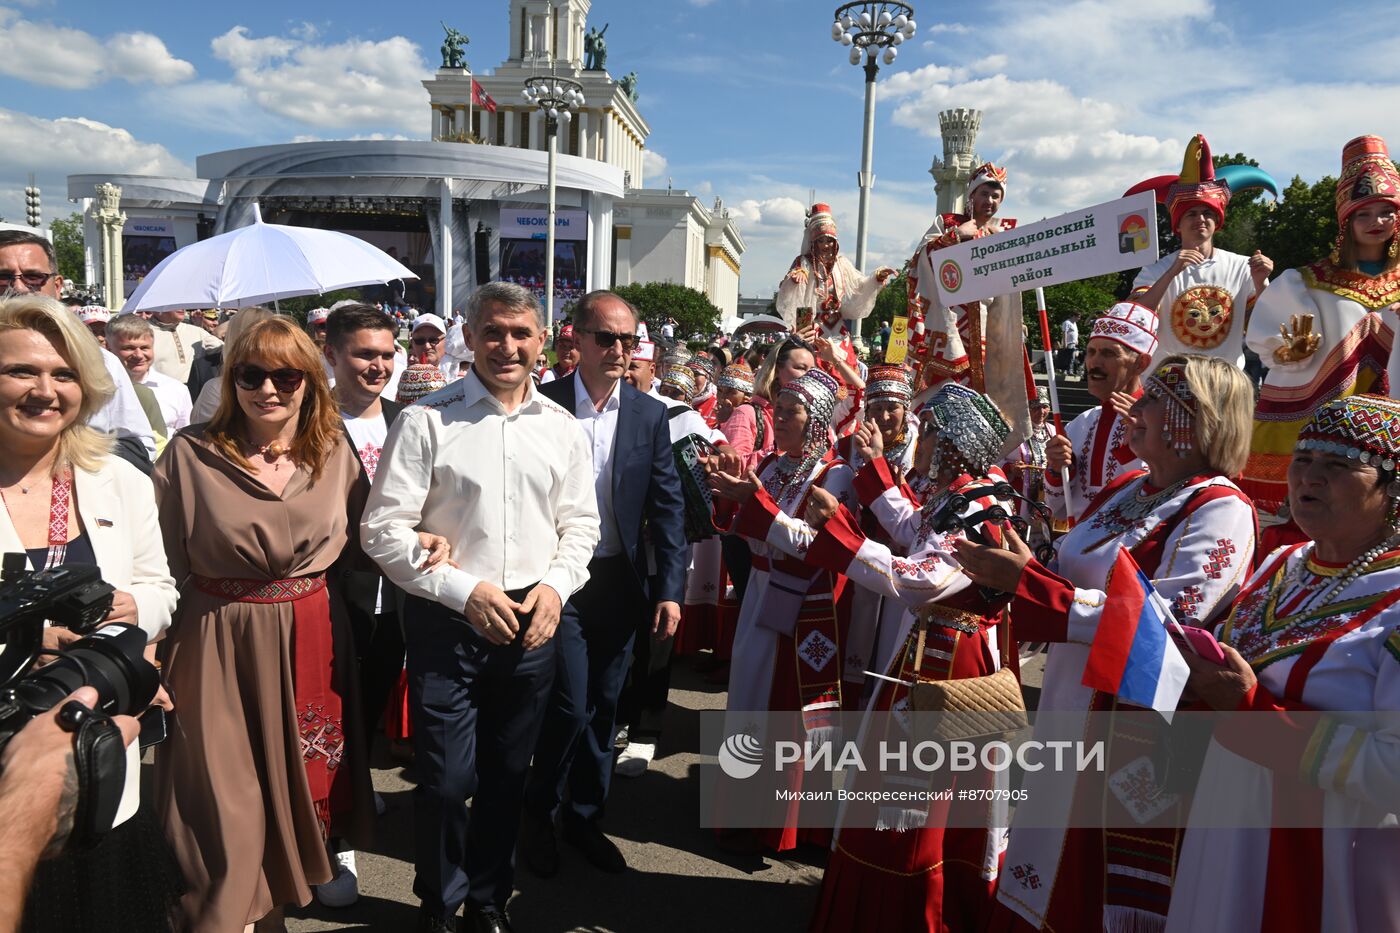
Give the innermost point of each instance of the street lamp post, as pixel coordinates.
(557, 98)
(869, 27)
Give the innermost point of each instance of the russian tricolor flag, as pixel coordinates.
(1133, 656)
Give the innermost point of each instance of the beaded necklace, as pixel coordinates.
(1321, 594)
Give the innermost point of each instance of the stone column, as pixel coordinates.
(445, 252)
(110, 221)
(583, 149)
(600, 240)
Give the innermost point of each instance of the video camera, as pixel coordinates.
(109, 659)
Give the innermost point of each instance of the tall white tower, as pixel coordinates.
(952, 172)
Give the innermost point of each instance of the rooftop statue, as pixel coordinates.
(595, 49)
(454, 48)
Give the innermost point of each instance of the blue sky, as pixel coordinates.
(749, 100)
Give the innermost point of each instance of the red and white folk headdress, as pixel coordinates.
(1129, 323)
(987, 174)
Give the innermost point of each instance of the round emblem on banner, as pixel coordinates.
(1201, 316)
(950, 275)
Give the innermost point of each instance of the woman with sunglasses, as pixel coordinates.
(264, 763)
(902, 867)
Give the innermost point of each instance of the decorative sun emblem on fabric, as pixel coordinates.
(1201, 316)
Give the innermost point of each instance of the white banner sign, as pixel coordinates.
(1104, 238)
(533, 225)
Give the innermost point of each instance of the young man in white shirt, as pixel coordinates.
(359, 347)
(506, 476)
(133, 341)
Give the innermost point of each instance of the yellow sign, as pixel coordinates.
(899, 341)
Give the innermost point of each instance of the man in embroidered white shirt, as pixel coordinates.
(507, 477)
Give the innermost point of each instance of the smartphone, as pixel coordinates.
(1202, 643)
(805, 318)
(153, 727)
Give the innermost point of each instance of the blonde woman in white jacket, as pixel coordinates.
(68, 501)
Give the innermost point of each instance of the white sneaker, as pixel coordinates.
(344, 889)
(635, 758)
(379, 805)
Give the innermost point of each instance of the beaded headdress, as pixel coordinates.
(704, 364)
(681, 379)
(1042, 398)
(968, 421)
(1359, 427)
(888, 384)
(1169, 382)
(677, 356)
(737, 376)
(819, 394)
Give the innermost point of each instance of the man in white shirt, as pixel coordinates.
(1068, 354)
(640, 504)
(506, 476)
(177, 344)
(132, 340)
(359, 347)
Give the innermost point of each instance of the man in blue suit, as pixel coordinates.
(640, 504)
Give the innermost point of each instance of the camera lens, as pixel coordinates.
(110, 660)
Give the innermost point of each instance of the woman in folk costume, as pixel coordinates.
(706, 585)
(824, 280)
(893, 867)
(1322, 329)
(1316, 630)
(702, 365)
(787, 650)
(745, 419)
(951, 343)
(1192, 532)
(1203, 293)
(888, 404)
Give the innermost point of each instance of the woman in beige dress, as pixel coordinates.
(264, 761)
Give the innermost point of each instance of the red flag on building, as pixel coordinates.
(481, 99)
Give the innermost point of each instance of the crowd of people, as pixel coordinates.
(496, 557)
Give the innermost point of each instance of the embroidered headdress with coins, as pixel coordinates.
(737, 376)
(970, 428)
(704, 364)
(1368, 176)
(682, 379)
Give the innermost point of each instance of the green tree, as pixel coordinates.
(1082, 300)
(299, 307)
(692, 310)
(892, 301)
(1303, 227)
(68, 245)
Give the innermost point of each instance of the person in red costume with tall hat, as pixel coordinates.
(1203, 293)
(1326, 330)
(950, 343)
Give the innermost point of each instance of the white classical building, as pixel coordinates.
(474, 192)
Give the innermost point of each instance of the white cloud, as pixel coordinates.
(69, 145)
(58, 56)
(784, 212)
(654, 164)
(347, 84)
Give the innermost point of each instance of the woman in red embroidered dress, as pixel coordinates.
(263, 759)
(787, 651)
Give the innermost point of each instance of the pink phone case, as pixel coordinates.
(1204, 643)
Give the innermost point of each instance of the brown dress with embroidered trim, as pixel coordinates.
(231, 786)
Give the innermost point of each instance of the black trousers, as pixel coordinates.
(594, 650)
(379, 645)
(476, 710)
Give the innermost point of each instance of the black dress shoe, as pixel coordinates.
(540, 848)
(596, 847)
(429, 922)
(487, 920)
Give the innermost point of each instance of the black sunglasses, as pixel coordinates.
(252, 378)
(606, 338)
(427, 341)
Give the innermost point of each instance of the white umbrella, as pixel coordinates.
(260, 263)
